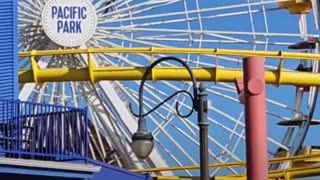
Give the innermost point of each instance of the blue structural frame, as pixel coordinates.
(15, 51)
(44, 132)
(113, 172)
(42, 173)
(32, 169)
(50, 133)
(8, 49)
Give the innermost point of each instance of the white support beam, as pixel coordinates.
(101, 120)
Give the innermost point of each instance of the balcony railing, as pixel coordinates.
(44, 132)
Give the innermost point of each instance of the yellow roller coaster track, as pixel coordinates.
(291, 173)
(94, 74)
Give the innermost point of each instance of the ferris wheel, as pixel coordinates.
(234, 24)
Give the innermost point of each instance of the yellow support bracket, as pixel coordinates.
(91, 67)
(35, 67)
(297, 6)
(279, 70)
(151, 54)
(216, 74)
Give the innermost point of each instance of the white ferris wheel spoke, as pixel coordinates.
(173, 14)
(165, 23)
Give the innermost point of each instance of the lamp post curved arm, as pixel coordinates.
(164, 101)
(148, 72)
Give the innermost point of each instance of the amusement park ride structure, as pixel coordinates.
(275, 77)
(301, 166)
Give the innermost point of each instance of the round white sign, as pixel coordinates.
(69, 23)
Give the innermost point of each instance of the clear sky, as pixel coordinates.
(227, 24)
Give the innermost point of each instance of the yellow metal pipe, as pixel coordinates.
(226, 165)
(303, 172)
(95, 74)
(291, 173)
(194, 167)
(198, 51)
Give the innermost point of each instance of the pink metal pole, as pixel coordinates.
(255, 118)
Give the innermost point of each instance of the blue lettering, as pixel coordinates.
(65, 27)
(69, 18)
(74, 12)
(60, 13)
(70, 27)
(84, 13)
(59, 26)
(54, 11)
(78, 27)
(66, 15)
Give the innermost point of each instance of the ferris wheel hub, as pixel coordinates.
(69, 23)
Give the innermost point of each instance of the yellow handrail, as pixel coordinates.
(95, 74)
(198, 51)
(291, 173)
(227, 165)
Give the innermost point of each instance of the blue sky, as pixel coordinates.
(279, 21)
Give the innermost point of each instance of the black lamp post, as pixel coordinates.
(142, 140)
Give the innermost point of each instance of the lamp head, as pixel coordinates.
(142, 144)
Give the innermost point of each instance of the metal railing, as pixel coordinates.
(43, 132)
(95, 73)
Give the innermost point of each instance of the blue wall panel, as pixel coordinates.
(112, 172)
(8, 50)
